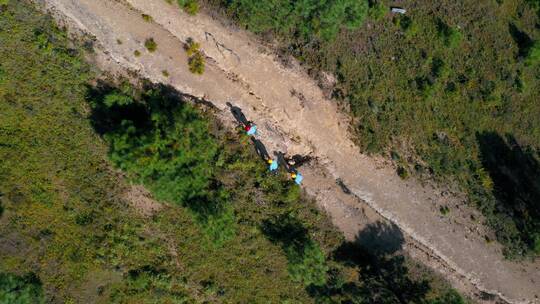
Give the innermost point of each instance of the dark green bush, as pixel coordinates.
(150, 45)
(20, 290)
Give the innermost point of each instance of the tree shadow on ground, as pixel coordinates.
(523, 41)
(383, 276)
(380, 238)
(157, 99)
(515, 173)
(108, 118)
(152, 112)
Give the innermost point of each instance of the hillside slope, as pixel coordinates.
(295, 117)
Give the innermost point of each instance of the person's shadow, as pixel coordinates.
(260, 149)
(238, 114)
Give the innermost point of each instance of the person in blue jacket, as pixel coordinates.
(273, 165)
(297, 177)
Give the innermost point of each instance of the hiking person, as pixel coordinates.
(251, 128)
(297, 177)
(297, 160)
(274, 164)
(238, 114)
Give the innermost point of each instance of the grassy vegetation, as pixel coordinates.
(189, 6)
(298, 21)
(147, 18)
(150, 45)
(20, 290)
(428, 87)
(196, 61)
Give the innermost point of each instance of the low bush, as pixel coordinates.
(20, 290)
(150, 45)
(533, 58)
(196, 60)
(147, 18)
(189, 6)
(196, 64)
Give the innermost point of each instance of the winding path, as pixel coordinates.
(293, 115)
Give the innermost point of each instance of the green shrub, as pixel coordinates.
(196, 64)
(136, 53)
(533, 58)
(196, 60)
(444, 210)
(147, 18)
(402, 172)
(150, 45)
(117, 99)
(20, 290)
(310, 19)
(192, 47)
(377, 10)
(189, 6)
(307, 265)
(449, 35)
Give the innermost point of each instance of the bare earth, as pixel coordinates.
(244, 72)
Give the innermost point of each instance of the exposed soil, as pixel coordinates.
(294, 116)
(141, 200)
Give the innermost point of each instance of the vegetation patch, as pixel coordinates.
(150, 45)
(16, 289)
(147, 18)
(189, 6)
(196, 60)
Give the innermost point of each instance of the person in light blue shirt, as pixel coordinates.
(251, 129)
(297, 177)
(273, 164)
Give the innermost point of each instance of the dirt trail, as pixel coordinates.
(245, 73)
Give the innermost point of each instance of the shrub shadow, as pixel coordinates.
(515, 173)
(383, 276)
(523, 41)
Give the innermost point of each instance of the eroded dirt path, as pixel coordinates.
(242, 71)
